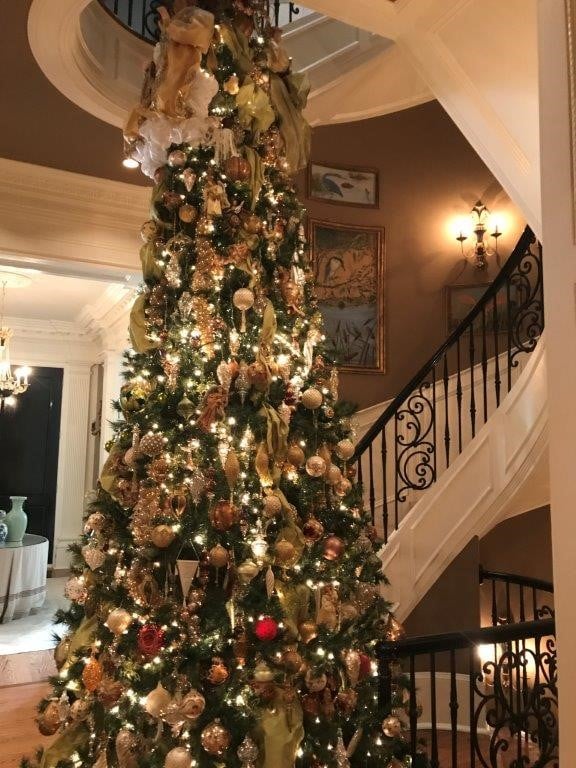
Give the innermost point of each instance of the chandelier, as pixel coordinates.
(11, 383)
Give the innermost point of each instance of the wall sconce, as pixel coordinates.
(479, 220)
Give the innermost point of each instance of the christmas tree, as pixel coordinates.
(225, 601)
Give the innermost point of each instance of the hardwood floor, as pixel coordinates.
(18, 732)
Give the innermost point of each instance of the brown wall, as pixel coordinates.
(429, 174)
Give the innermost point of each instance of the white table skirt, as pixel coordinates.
(22, 577)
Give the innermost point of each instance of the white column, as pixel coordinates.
(559, 283)
(71, 460)
(112, 359)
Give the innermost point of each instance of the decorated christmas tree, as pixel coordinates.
(225, 601)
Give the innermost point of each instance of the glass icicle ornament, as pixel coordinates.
(243, 381)
(341, 756)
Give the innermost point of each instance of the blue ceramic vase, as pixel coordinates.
(16, 520)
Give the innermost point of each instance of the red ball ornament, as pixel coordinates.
(150, 639)
(365, 666)
(266, 629)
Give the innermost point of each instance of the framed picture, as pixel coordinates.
(348, 265)
(343, 185)
(461, 299)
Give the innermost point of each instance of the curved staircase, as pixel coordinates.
(464, 445)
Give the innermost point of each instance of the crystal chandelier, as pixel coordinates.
(11, 383)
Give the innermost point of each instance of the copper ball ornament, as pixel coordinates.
(179, 757)
(152, 444)
(296, 455)
(149, 231)
(237, 168)
(313, 530)
(252, 224)
(333, 474)
(162, 536)
(218, 672)
(312, 399)
(392, 727)
(345, 449)
(218, 556)
(223, 515)
(308, 630)
(177, 158)
(187, 213)
(343, 487)
(333, 548)
(315, 466)
(215, 738)
(49, 721)
(272, 506)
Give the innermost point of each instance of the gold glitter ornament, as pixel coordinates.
(215, 738)
(152, 444)
(187, 213)
(345, 449)
(162, 536)
(312, 399)
(296, 455)
(243, 300)
(315, 466)
(118, 621)
(232, 468)
(49, 721)
(218, 556)
(272, 506)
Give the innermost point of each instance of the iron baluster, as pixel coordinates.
(484, 366)
(446, 413)
(472, 677)
(494, 605)
(371, 484)
(497, 381)
(522, 609)
(453, 705)
(384, 486)
(413, 709)
(508, 603)
(471, 349)
(434, 761)
(509, 330)
(396, 483)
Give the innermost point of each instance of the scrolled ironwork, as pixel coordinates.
(527, 315)
(414, 446)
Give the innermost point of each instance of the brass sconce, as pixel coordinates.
(480, 216)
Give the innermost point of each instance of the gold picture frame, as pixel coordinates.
(348, 265)
(348, 185)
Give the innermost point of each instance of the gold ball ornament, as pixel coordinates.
(333, 548)
(80, 710)
(252, 224)
(314, 682)
(312, 399)
(179, 757)
(243, 299)
(152, 444)
(193, 705)
(92, 674)
(118, 621)
(343, 487)
(177, 158)
(215, 738)
(296, 455)
(187, 213)
(272, 506)
(345, 449)
(49, 720)
(308, 630)
(61, 652)
(313, 530)
(149, 231)
(94, 557)
(218, 557)
(126, 745)
(158, 469)
(285, 552)
(162, 536)
(157, 701)
(392, 727)
(333, 475)
(237, 168)
(95, 522)
(316, 466)
(247, 571)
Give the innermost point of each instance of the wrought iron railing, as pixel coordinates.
(494, 706)
(440, 410)
(513, 598)
(141, 16)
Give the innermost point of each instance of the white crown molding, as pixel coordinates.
(76, 218)
(54, 330)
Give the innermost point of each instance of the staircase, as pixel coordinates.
(463, 446)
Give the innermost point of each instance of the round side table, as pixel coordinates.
(23, 569)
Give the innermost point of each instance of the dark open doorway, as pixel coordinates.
(29, 440)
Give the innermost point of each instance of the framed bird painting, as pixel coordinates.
(343, 185)
(348, 264)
